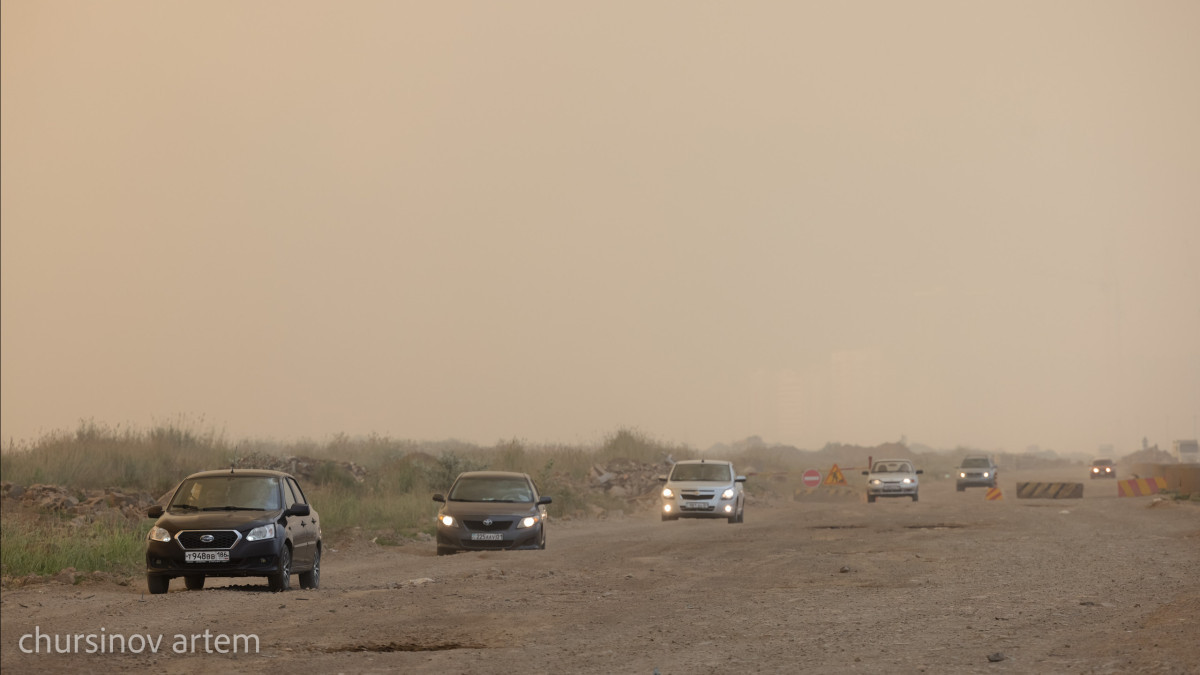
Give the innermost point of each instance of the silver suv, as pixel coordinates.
(892, 478)
(976, 471)
(703, 488)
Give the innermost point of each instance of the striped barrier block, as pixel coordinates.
(1140, 487)
(1049, 490)
(993, 494)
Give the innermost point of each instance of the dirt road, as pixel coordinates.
(1093, 585)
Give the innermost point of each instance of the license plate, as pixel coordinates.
(695, 505)
(206, 556)
(487, 536)
(891, 488)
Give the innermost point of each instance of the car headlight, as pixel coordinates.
(875, 481)
(963, 474)
(527, 521)
(262, 532)
(907, 481)
(448, 521)
(1095, 470)
(668, 493)
(727, 494)
(986, 474)
(158, 534)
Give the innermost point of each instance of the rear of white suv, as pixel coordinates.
(702, 488)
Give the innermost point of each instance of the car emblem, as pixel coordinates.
(487, 522)
(207, 538)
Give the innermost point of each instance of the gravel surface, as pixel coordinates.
(951, 584)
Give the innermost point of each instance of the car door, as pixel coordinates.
(298, 527)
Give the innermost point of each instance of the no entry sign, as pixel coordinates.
(812, 478)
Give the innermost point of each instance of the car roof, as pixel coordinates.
(1102, 461)
(240, 472)
(493, 474)
(704, 461)
(898, 459)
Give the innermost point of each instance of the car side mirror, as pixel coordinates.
(662, 479)
(437, 497)
(154, 511)
(866, 473)
(920, 470)
(298, 510)
(740, 479)
(545, 500)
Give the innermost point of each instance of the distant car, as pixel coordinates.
(976, 471)
(892, 478)
(1103, 468)
(703, 488)
(489, 511)
(235, 523)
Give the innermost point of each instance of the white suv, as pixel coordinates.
(703, 488)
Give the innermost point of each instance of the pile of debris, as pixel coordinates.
(628, 479)
(307, 468)
(85, 504)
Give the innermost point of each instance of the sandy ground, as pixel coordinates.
(1094, 585)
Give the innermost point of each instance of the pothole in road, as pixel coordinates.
(405, 647)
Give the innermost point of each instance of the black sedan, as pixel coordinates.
(491, 510)
(235, 523)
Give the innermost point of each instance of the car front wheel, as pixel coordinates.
(194, 582)
(157, 584)
(282, 579)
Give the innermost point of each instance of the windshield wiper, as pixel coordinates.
(232, 508)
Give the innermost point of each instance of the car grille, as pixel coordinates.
(696, 495)
(481, 526)
(221, 539)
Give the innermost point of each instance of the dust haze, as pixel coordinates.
(956, 223)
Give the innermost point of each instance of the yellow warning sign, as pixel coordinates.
(834, 477)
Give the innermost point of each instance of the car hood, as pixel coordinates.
(216, 520)
(489, 508)
(700, 484)
(892, 476)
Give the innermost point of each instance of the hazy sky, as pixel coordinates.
(960, 222)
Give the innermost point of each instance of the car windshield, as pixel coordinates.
(975, 463)
(232, 493)
(700, 472)
(1102, 462)
(491, 489)
(892, 467)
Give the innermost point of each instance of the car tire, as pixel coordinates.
(870, 499)
(444, 551)
(542, 543)
(156, 584)
(281, 580)
(961, 488)
(194, 582)
(667, 519)
(914, 497)
(312, 578)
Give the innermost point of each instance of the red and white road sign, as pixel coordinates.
(812, 478)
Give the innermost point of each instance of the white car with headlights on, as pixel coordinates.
(703, 488)
(892, 478)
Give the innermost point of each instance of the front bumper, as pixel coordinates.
(678, 507)
(246, 559)
(976, 481)
(892, 490)
(459, 539)
(1104, 475)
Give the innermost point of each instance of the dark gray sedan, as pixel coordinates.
(489, 511)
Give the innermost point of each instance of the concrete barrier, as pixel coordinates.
(1140, 487)
(1049, 490)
